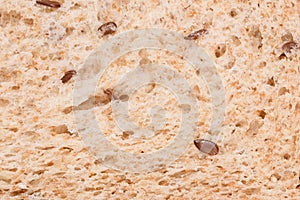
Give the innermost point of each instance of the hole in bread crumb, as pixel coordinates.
(236, 41)
(126, 134)
(297, 106)
(238, 124)
(186, 107)
(60, 129)
(254, 126)
(288, 37)
(15, 87)
(28, 21)
(233, 13)
(13, 129)
(250, 191)
(255, 33)
(282, 91)
(3, 102)
(69, 30)
(262, 64)
(220, 50)
(145, 61)
(262, 114)
(18, 192)
(271, 81)
(277, 176)
(286, 156)
(149, 88)
(45, 78)
(163, 182)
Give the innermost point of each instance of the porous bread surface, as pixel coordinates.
(41, 154)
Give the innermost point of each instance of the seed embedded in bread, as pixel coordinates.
(68, 75)
(288, 46)
(195, 35)
(52, 4)
(108, 28)
(207, 146)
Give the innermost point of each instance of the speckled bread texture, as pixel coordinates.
(41, 154)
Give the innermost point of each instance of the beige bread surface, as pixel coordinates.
(42, 156)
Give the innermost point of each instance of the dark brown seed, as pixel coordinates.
(271, 81)
(108, 28)
(195, 35)
(108, 91)
(286, 47)
(233, 13)
(298, 186)
(52, 4)
(207, 146)
(68, 75)
(282, 56)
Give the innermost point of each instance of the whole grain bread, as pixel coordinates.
(254, 45)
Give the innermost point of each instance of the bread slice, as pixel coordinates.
(255, 48)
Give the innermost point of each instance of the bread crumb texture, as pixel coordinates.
(255, 45)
